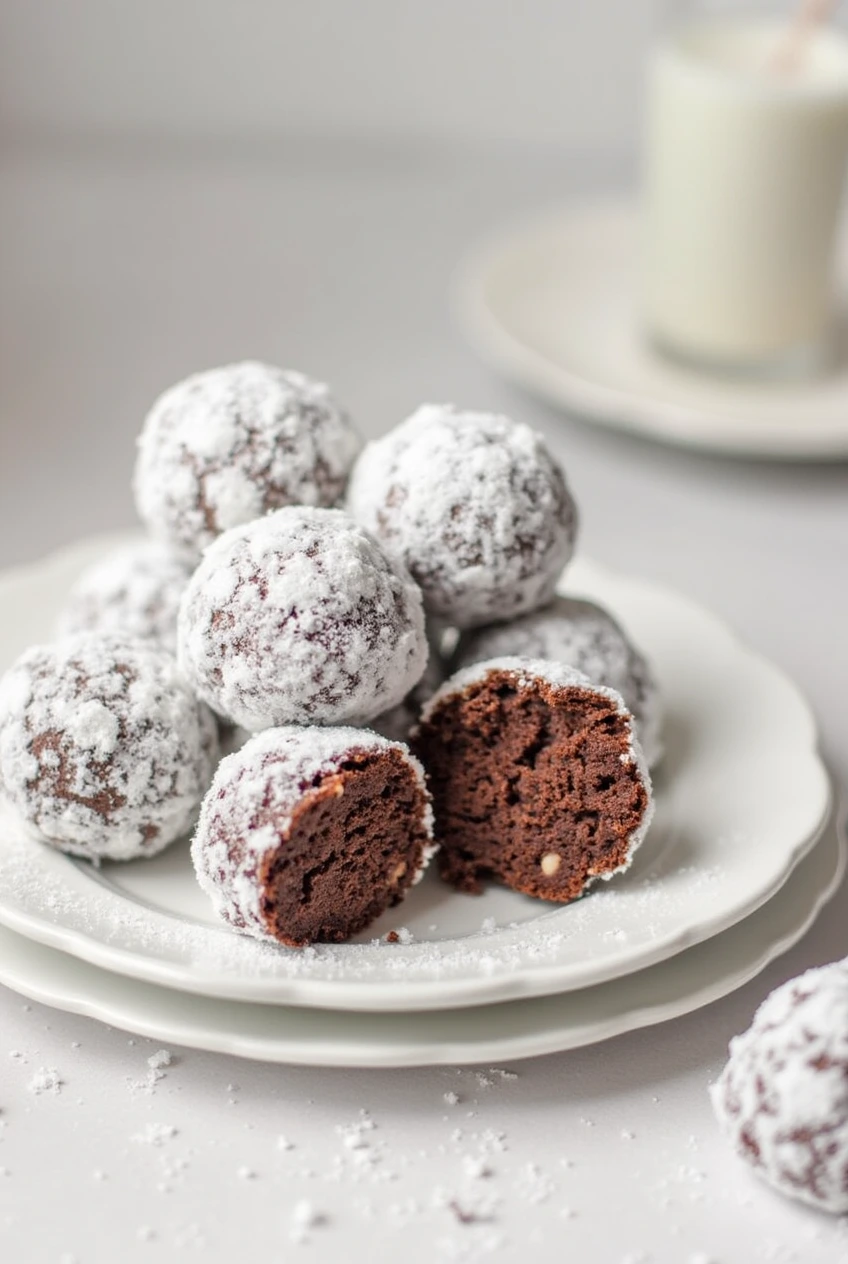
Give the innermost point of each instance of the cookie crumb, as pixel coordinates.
(46, 1080)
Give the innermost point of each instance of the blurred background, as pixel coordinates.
(187, 183)
(546, 73)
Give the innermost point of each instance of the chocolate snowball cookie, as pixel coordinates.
(474, 506)
(537, 778)
(307, 835)
(135, 590)
(783, 1095)
(300, 618)
(104, 751)
(584, 635)
(228, 445)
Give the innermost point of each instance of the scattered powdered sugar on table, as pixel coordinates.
(304, 1218)
(156, 1070)
(46, 1080)
(478, 1195)
(534, 1185)
(354, 1136)
(190, 1235)
(475, 1167)
(154, 1134)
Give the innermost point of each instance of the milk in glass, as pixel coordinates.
(744, 169)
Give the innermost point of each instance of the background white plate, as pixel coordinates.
(740, 798)
(518, 1029)
(553, 305)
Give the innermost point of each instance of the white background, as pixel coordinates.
(183, 184)
(553, 73)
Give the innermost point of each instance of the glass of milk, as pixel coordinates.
(745, 158)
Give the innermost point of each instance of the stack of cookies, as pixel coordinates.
(374, 633)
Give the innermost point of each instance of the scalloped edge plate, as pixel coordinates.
(741, 797)
(517, 1029)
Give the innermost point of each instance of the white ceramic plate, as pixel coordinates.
(517, 1029)
(553, 306)
(741, 796)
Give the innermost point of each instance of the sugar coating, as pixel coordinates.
(104, 751)
(300, 618)
(134, 590)
(231, 444)
(275, 768)
(526, 673)
(586, 636)
(474, 506)
(782, 1098)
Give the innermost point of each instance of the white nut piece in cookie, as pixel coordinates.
(308, 834)
(474, 506)
(231, 444)
(782, 1098)
(300, 618)
(135, 590)
(583, 635)
(104, 751)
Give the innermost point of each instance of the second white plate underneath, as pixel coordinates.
(553, 304)
(741, 796)
(517, 1029)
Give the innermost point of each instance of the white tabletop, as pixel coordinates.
(123, 272)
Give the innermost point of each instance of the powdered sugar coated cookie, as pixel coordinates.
(300, 618)
(308, 834)
(474, 506)
(783, 1095)
(135, 590)
(231, 444)
(104, 751)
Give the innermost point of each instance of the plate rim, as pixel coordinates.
(331, 1052)
(590, 400)
(362, 995)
